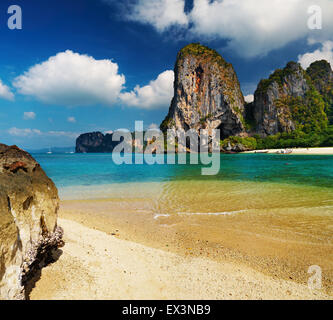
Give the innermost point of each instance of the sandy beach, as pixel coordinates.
(106, 257)
(305, 151)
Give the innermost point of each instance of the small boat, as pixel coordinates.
(288, 151)
(261, 151)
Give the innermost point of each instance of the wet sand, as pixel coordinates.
(118, 249)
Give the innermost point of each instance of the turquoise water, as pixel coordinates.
(259, 183)
(68, 170)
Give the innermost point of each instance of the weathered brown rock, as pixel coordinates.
(28, 220)
(207, 93)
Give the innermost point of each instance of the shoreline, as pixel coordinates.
(303, 151)
(106, 257)
(299, 151)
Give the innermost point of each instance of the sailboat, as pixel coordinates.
(49, 152)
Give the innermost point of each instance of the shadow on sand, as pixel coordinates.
(31, 283)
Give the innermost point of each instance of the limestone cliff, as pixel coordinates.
(207, 93)
(270, 116)
(321, 75)
(28, 220)
(286, 101)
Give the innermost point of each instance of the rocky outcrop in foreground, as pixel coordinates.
(207, 93)
(28, 220)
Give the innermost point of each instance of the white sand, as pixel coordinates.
(323, 151)
(95, 265)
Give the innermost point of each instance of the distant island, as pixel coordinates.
(292, 108)
(95, 142)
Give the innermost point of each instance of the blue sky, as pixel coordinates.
(98, 65)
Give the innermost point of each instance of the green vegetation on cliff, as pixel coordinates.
(329, 106)
(167, 123)
(199, 50)
(321, 75)
(295, 139)
(308, 113)
(303, 99)
(278, 76)
(319, 72)
(249, 143)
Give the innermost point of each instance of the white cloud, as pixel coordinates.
(160, 13)
(153, 126)
(23, 132)
(71, 119)
(72, 79)
(156, 95)
(249, 98)
(67, 134)
(16, 132)
(29, 115)
(5, 92)
(252, 27)
(325, 53)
